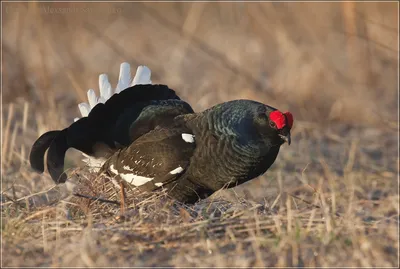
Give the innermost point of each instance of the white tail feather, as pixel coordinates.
(124, 77)
(84, 108)
(143, 75)
(105, 87)
(92, 98)
(101, 100)
(93, 163)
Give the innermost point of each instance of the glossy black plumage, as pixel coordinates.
(39, 148)
(153, 140)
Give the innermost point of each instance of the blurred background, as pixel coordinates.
(324, 61)
(333, 65)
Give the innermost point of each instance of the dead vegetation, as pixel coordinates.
(331, 198)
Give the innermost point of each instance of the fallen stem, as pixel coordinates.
(93, 198)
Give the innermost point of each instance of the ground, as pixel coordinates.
(330, 199)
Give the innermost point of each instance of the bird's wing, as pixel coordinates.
(153, 160)
(134, 123)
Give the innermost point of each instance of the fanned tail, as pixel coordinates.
(142, 76)
(100, 116)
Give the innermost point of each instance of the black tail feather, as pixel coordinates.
(55, 157)
(36, 156)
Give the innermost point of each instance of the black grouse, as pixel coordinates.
(149, 138)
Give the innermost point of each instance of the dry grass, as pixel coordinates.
(331, 198)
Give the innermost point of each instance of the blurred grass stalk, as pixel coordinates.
(357, 54)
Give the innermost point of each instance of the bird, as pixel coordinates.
(145, 136)
(201, 153)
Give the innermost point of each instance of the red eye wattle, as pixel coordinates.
(289, 118)
(277, 118)
(281, 119)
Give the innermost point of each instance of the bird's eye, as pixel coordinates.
(272, 124)
(262, 119)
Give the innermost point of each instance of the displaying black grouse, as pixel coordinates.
(151, 139)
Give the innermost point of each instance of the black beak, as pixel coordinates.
(286, 138)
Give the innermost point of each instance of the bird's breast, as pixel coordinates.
(223, 161)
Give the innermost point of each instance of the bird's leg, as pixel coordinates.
(122, 198)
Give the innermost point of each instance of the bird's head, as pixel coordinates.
(253, 121)
(275, 125)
